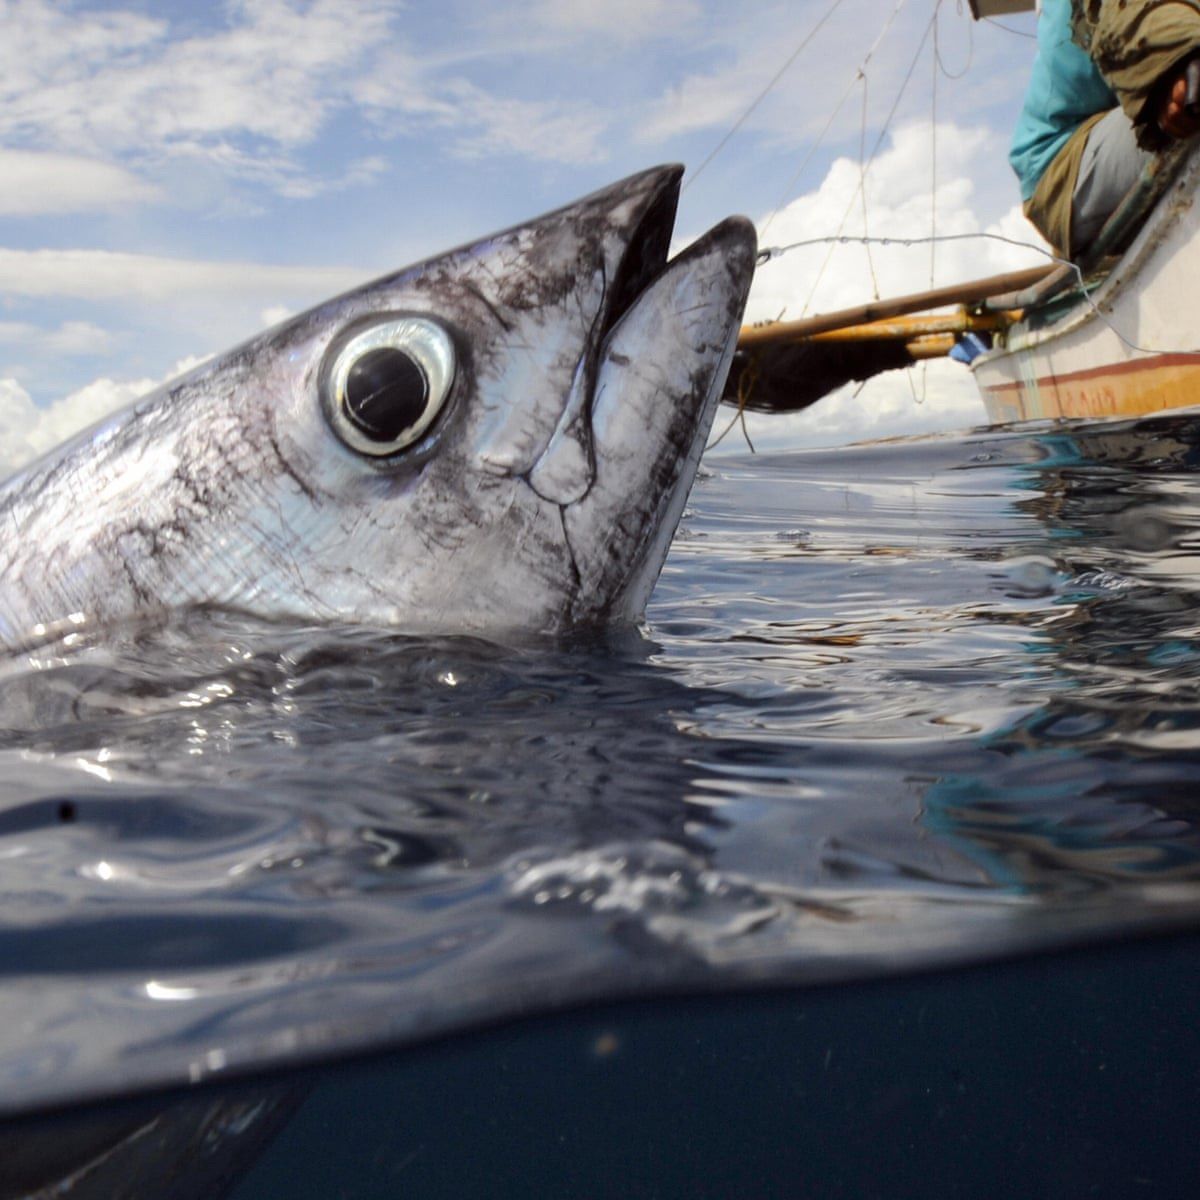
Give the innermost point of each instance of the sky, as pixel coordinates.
(175, 177)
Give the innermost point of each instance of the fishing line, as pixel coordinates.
(859, 74)
(862, 188)
(912, 387)
(1104, 320)
(791, 183)
(768, 253)
(970, 50)
(912, 66)
(795, 54)
(1009, 29)
(936, 64)
(746, 385)
(933, 148)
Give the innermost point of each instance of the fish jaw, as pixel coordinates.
(542, 497)
(659, 382)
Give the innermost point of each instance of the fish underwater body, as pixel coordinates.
(498, 439)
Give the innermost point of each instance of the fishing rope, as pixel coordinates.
(860, 73)
(768, 253)
(970, 50)
(912, 387)
(935, 65)
(939, 67)
(795, 54)
(862, 187)
(746, 385)
(912, 66)
(933, 163)
(812, 149)
(765, 256)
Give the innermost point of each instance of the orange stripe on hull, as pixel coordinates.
(1128, 389)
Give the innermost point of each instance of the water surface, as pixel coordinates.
(897, 706)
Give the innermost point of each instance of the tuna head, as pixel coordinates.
(501, 438)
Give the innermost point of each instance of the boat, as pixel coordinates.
(1116, 338)
(1114, 335)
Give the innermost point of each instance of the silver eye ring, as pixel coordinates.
(388, 383)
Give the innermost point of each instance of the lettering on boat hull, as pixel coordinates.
(1127, 389)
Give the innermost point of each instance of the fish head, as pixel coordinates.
(499, 438)
(565, 374)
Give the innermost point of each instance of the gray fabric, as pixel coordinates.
(1112, 163)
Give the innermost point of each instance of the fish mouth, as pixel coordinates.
(667, 336)
(642, 309)
(646, 251)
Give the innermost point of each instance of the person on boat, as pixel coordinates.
(1108, 91)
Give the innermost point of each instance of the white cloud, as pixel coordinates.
(38, 183)
(69, 338)
(84, 78)
(709, 100)
(354, 174)
(107, 275)
(747, 48)
(28, 430)
(399, 95)
(246, 98)
(241, 98)
(275, 314)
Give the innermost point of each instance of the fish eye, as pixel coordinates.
(387, 384)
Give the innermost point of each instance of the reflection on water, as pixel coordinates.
(897, 705)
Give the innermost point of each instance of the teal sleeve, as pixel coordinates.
(1064, 90)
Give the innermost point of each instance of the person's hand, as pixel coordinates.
(1173, 116)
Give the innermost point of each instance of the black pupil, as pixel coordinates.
(386, 393)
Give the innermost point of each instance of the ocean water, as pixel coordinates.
(901, 716)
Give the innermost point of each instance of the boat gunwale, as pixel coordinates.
(1081, 305)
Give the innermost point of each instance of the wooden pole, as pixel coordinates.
(971, 292)
(906, 328)
(931, 345)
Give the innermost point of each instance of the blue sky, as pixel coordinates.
(176, 176)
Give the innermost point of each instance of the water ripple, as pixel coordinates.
(894, 705)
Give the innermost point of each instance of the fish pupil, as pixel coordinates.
(386, 393)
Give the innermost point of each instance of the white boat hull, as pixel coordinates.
(1134, 349)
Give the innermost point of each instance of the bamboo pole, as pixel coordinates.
(905, 328)
(930, 345)
(971, 292)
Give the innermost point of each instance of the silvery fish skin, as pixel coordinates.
(581, 371)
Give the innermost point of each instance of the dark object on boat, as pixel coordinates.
(789, 376)
(785, 366)
(982, 9)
